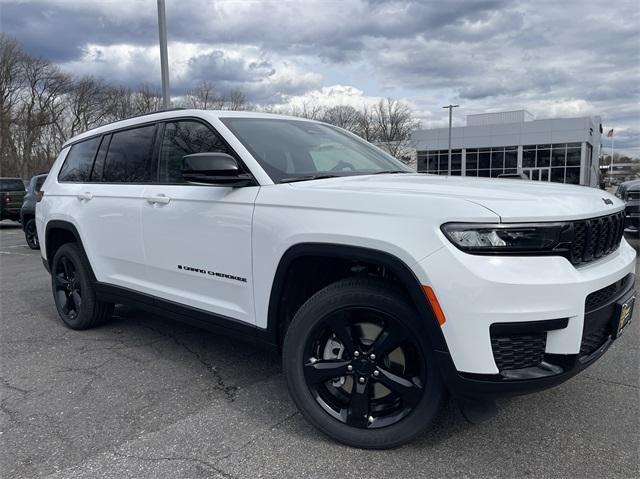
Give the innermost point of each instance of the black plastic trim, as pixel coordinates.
(355, 253)
(186, 314)
(528, 327)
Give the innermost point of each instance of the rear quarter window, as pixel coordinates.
(77, 165)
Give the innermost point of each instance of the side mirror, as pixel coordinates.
(213, 168)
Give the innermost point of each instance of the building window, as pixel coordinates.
(437, 162)
(491, 162)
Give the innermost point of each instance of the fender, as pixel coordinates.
(67, 226)
(390, 262)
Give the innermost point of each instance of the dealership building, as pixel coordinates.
(563, 150)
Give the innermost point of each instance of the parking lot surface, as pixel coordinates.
(149, 397)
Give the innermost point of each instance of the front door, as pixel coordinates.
(197, 238)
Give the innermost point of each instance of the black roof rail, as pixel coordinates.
(153, 112)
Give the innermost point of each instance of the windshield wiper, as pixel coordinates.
(309, 177)
(392, 172)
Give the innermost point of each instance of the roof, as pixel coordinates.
(175, 113)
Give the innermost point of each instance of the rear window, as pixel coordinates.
(77, 165)
(130, 155)
(11, 185)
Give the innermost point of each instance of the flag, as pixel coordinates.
(610, 133)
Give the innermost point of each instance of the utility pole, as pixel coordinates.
(450, 107)
(164, 59)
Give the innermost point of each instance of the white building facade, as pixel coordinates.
(563, 150)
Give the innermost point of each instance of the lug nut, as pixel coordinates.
(370, 418)
(349, 368)
(372, 357)
(361, 380)
(356, 354)
(376, 373)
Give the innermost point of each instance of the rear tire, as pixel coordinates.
(358, 366)
(31, 234)
(73, 291)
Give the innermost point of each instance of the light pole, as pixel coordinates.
(450, 107)
(164, 59)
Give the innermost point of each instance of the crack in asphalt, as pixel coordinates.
(195, 460)
(228, 390)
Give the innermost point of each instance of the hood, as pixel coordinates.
(511, 199)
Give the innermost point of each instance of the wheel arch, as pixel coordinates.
(276, 317)
(59, 232)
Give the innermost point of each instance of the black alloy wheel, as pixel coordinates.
(363, 369)
(68, 291)
(73, 291)
(31, 234)
(359, 367)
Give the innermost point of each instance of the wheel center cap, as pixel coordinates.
(363, 366)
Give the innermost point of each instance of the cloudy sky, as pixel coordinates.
(554, 58)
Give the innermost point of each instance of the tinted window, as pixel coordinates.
(77, 165)
(98, 164)
(11, 185)
(130, 156)
(185, 138)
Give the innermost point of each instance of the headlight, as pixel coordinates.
(505, 238)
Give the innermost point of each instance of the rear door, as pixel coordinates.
(197, 238)
(109, 205)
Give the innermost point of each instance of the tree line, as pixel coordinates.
(41, 107)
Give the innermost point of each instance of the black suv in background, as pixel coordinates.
(28, 210)
(11, 194)
(629, 192)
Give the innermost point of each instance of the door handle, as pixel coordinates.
(159, 199)
(86, 196)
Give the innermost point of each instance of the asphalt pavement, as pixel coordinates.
(149, 397)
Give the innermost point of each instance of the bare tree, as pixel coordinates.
(146, 99)
(204, 97)
(394, 124)
(343, 116)
(236, 100)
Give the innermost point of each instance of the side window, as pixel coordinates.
(130, 156)
(77, 165)
(184, 138)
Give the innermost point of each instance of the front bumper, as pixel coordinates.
(555, 368)
(477, 293)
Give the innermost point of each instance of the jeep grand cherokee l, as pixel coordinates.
(382, 287)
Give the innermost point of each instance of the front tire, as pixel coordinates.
(73, 292)
(31, 234)
(358, 367)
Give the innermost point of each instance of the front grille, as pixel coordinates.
(596, 237)
(592, 340)
(602, 296)
(518, 351)
(633, 195)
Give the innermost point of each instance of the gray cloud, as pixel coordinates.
(583, 56)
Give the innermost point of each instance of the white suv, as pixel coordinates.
(383, 288)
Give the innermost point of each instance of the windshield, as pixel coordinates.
(11, 185)
(291, 149)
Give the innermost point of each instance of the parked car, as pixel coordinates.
(383, 288)
(629, 192)
(28, 210)
(11, 194)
